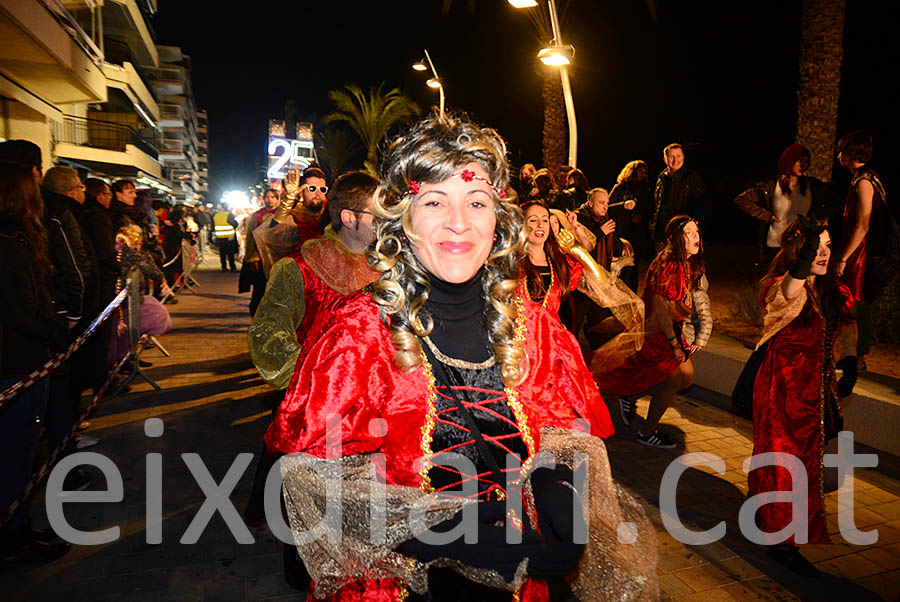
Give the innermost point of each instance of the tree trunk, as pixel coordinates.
(555, 125)
(821, 52)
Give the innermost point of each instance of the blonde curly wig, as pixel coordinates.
(430, 152)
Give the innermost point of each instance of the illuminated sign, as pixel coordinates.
(285, 153)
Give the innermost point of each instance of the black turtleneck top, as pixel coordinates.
(459, 333)
(458, 312)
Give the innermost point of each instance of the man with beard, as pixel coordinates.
(302, 291)
(678, 190)
(297, 219)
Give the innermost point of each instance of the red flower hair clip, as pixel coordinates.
(467, 175)
(413, 187)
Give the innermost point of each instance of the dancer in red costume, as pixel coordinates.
(664, 362)
(795, 394)
(548, 273)
(444, 359)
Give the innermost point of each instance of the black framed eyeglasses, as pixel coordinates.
(322, 189)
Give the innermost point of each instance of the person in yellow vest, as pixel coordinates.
(226, 236)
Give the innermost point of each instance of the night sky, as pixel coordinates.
(720, 77)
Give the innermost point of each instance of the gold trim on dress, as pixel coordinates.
(456, 363)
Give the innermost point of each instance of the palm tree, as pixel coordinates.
(821, 53)
(334, 149)
(370, 117)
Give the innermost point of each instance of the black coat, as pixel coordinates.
(92, 280)
(29, 328)
(682, 192)
(98, 226)
(69, 257)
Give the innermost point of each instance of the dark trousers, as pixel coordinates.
(227, 251)
(20, 420)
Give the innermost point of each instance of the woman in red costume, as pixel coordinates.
(447, 384)
(664, 362)
(865, 235)
(548, 273)
(795, 393)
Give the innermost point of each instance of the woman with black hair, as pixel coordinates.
(795, 391)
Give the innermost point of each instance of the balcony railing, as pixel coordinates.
(171, 146)
(171, 111)
(100, 134)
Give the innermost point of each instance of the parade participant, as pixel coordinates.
(678, 190)
(445, 349)
(293, 223)
(663, 364)
(252, 274)
(302, 291)
(552, 276)
(795, 394)
(776, 202)
(226, 237)
(548, 274)
(866, 235)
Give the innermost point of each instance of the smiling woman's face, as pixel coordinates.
(453, 222)
(537, 223)
(823, 254)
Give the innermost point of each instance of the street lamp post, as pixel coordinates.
(434, 81)
(558, 55)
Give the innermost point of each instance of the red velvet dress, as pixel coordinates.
(789, 413)
(552, 300)
(655, 361)
(349, 372)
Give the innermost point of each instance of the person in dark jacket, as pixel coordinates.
(678, 190)
(66, 248)
(632, 185)
(777, 201)
(30, 332)
(575, 193)
(174, 235)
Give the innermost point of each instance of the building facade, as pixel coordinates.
(87, 82)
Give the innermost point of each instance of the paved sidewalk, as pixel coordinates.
(214, 404)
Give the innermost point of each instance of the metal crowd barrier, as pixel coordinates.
(131, 292)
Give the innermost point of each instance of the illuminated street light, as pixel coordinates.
(434, 81)
(558, 55)
(420, 65)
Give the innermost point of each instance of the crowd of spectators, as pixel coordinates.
(67, 246)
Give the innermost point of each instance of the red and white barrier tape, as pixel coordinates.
(58, 360)
(51, 461)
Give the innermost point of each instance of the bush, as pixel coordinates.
(748, 307)
(886, 315)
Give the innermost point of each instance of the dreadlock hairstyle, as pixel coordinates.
(555, 257)
(430, 152)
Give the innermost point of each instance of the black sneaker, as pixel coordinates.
(791, 558)
(656, 439)
(627, 409)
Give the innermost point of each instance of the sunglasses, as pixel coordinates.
(322, 189)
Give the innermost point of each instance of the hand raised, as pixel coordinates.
(292, 183)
